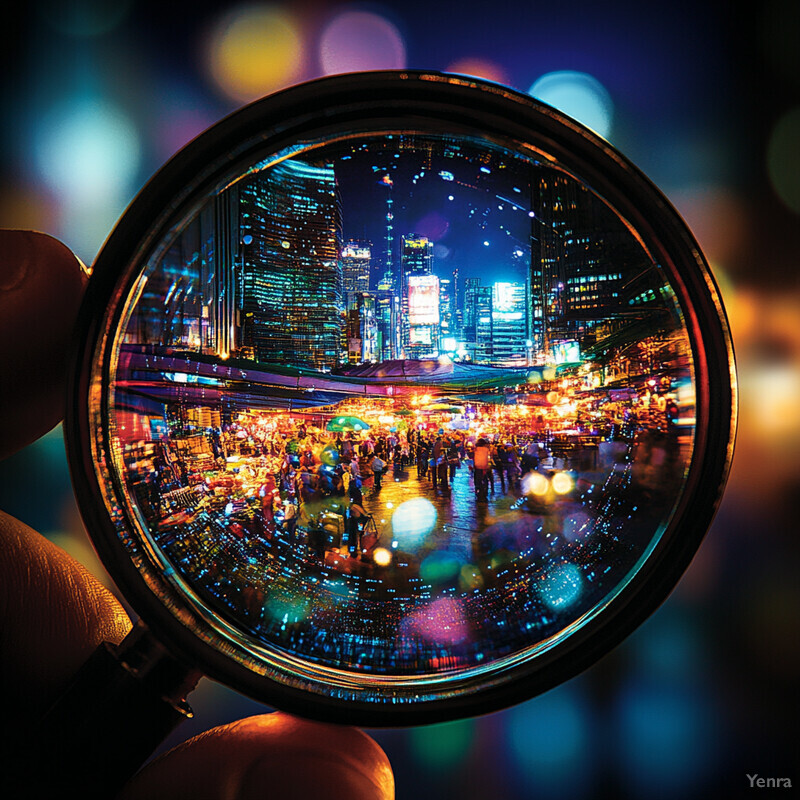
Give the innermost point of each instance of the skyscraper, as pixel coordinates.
(416, 260)
(191, 300)
(447, 326)
(581, 257)
(478, 321)
(510, 327)
(458, 305)
(292, 278)
(362, 328)
(423, 317)
(356, 262)
(387, 312)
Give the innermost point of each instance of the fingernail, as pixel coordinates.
(15, 258)
(309, 775)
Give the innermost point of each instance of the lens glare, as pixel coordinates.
(397, 411)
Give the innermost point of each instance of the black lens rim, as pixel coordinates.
(406, 98)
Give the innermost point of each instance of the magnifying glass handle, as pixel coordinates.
(119, 707)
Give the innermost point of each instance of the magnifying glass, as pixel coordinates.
(400, 397)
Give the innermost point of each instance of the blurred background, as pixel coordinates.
(705, 99)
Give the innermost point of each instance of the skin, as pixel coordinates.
(54, 613)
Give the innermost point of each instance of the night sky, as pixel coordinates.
(486, 200)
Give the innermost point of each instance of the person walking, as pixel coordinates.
(378, 466)
(356, 515)
(437, 456)
(422, 458)
(500, 464)
(453, 460)
(482, 466)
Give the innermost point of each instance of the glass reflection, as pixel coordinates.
(403, 404)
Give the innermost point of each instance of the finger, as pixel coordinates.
(41, 285)
(273, 756)
(53, 614)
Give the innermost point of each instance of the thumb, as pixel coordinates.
(41, 286)
(273, 756)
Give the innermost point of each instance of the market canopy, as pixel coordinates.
(344, 423)
(202, 379)
(440, 373)
(448, 407)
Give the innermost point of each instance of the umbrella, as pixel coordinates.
(448, 407)
(347, 424)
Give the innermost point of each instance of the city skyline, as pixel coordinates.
(273, 271)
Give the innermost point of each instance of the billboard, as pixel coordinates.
(357, 252)
(420, 334)
(568, 352)
(423, 300)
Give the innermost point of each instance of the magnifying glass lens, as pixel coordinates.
(393, 415)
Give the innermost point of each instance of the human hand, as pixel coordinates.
(54, 613)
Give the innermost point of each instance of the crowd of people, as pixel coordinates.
(282, 476)
(275, 473)
(309, 464)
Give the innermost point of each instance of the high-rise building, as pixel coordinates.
(389, 256)
(292, 278)
(497, 323)
(423, 316)
(363, 344)
(416, 260)
(470, 289)
(581, 257)
(447, 326)
(191, 300)
(356, 263)
(478, 321)
(387, 311)
(510, 329)
(458, 305)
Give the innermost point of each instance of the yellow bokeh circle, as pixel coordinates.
(255, 50)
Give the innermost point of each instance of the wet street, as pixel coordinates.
(458, 514)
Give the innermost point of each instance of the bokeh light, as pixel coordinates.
(663, 733)
(358, 41)
(180, 113)
(669, 647)
(783, 159)
(717, 216)
(563, 483)
(562, 586)
(551, 746)
(576, 525)
(89, 150)
(287, 608)
(441, 621)
(440, 566)
(579, 95)
(255, 50)
(412, 521)
(535, 483)
(442, 747)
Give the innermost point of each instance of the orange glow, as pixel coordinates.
(479, 68)
(535, 483)
(562, 483)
